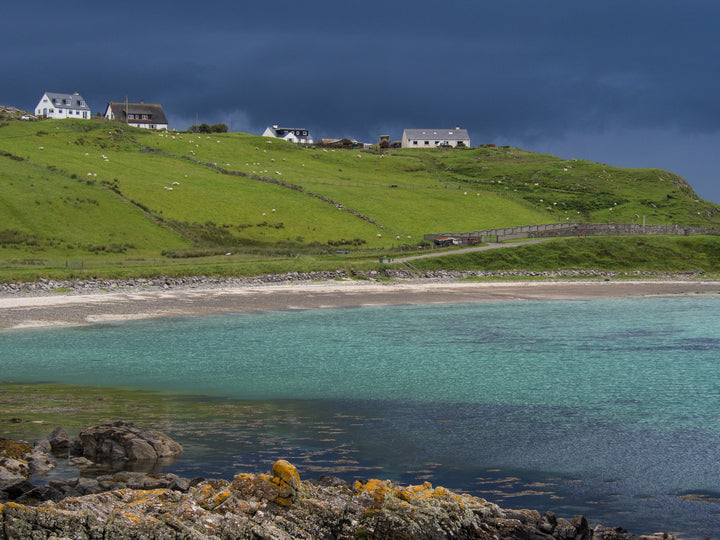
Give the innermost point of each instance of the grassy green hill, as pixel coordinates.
(109, 195)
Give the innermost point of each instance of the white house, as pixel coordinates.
(56, 105)
(142, 115)
(430, 138)
(295, 135)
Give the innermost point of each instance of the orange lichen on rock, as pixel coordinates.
(377, 489)
(287, 480)
(287, 473)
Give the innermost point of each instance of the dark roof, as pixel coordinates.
(153, 110)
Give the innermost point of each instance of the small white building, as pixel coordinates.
(294, 135)
(431, 138)
(142, 115)
(57, 105)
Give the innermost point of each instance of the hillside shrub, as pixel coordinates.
(10, 237)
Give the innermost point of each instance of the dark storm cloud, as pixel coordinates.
(558, 77)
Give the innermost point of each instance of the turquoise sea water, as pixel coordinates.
(605, 407)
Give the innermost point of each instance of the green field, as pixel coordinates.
(123, 201)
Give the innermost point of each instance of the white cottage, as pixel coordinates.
(56, 105)
(430, 138)
(142, 115)
(295, 135)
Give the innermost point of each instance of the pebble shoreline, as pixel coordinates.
(94, 285)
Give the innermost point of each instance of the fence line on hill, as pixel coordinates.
(568, 229)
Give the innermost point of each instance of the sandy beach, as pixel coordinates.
(26, 311)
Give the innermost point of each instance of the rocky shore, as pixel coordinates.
(94, 285)
(277, 505)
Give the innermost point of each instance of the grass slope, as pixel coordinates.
(622, 254)
(91, 190)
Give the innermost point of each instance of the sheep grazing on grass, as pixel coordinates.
(379, 235)
(176, 183)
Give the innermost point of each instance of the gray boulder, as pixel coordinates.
(122, 441)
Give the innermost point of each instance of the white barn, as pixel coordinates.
(431, 138)
(295, 135)
(57, 105)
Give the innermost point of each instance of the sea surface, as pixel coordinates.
(604, 407)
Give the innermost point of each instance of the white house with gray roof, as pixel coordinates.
(295, 135)
(431, 138)
(57, 105)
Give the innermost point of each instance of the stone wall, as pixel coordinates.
(569, 229)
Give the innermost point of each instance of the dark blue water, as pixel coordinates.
(609, 408)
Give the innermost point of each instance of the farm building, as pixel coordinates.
(430, 138)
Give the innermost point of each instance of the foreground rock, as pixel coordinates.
(103, 448)
(280, 506)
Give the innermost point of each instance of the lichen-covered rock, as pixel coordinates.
(248, 508)
(18, 461)
(287, 479)
(122, 441)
